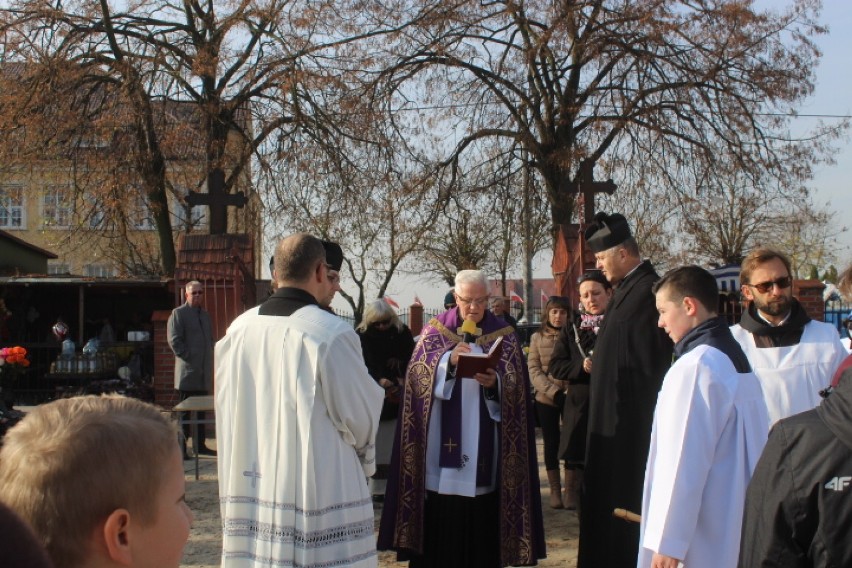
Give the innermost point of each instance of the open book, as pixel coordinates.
(472, 363)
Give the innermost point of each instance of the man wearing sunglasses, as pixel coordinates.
(793, 356)
(190, 337)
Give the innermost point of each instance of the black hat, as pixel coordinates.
(333, 255)
(450, 299)
(607, 231)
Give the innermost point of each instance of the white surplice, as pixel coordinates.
(296, 420)
(792, 376)
(709, 430)
(461, 481)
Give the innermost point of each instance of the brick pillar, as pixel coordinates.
(809, 294)
(165, 394)
(415, 318)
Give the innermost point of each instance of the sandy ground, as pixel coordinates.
(205, 541)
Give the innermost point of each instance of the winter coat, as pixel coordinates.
(546, 387)
(191, 338)
(798, 509)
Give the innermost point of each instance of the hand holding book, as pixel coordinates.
(470, 364)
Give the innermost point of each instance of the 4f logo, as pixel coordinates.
(839, 483)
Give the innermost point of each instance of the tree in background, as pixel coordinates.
(254, 71)
(656, 83)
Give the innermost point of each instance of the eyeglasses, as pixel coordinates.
(764, 287)
(196, 293)
(472, 301)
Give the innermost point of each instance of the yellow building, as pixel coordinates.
(88, 207)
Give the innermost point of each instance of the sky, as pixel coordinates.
(831, 187)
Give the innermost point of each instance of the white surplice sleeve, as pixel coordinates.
(352, 397)
(692, 411)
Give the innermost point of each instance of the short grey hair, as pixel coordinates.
(471, 277)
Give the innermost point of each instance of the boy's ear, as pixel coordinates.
(116, 535)
(690, 304)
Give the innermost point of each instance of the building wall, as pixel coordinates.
(64, 224)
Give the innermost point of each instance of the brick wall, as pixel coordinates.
(809, 294)
(165, 394)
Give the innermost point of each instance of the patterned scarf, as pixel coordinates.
(588, 321)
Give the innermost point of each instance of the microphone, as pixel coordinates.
(469, 330)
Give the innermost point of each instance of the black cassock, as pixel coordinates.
(630, 359)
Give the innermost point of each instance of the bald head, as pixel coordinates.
(296, 259)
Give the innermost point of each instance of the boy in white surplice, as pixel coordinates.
(710, 426)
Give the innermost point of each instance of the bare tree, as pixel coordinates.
(357, 193)
(254, 70)
(616, 79)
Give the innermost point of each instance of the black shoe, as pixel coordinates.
(205, 451)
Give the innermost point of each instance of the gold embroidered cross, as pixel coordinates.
(450, 445)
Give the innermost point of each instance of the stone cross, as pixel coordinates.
(586, 186)
(217, 201)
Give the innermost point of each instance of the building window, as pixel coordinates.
(143, 219)
(58, 267)
(12, 214)
(97, 270)
(57, 207)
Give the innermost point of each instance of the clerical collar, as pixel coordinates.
(632, 270)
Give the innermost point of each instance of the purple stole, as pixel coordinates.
(521, 532)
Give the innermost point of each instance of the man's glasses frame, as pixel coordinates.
(764, 287)
(472, 301)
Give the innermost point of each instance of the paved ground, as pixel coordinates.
(205, 541)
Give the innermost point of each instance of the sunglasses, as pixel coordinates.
(764, 287)
(196, 293)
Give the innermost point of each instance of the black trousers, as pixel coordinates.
(187, 430)
(549, 418)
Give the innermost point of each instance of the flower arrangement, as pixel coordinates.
(12, 358)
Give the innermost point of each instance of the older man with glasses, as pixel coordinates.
(463, 484)
(793, 356)
(190, 336)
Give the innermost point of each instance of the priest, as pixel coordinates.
(296, 420)
(630, 359)
(463, 483)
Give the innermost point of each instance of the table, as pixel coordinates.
(193, 405)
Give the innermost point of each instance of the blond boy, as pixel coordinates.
(101, 482)
(710, 426)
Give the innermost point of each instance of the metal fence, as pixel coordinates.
(836, 313)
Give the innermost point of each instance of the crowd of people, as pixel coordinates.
(730, 446)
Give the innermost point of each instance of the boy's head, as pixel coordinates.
(100, 480)
(686, 297)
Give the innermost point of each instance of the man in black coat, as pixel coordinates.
(631, 357)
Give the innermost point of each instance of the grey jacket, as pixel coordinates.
(191, 338)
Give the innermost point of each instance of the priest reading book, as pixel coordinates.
(472, 363)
